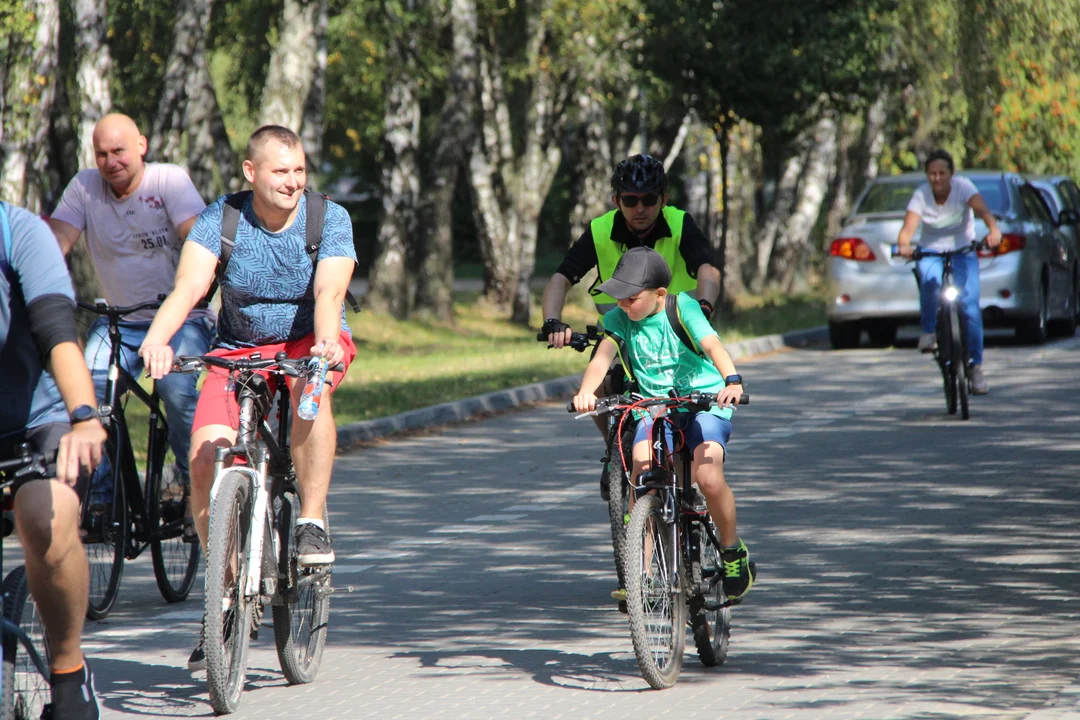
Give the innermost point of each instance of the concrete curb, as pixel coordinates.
(457, 411)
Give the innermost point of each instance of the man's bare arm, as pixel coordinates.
(554, 300)
(332, 277)
(708, 283)
(82, 446)
(67, 235)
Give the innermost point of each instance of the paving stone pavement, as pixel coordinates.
(911, 565)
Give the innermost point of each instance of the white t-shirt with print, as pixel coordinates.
(950, 225)
(133, 242)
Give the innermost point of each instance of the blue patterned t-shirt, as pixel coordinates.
(267, 294)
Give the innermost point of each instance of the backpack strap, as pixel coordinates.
(230, 221)
(622, 354)
(671, 306)
(313, 229)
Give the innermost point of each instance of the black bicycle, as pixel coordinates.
(951, 353)
(615, 476)
(143, 508)
(672, 551)
(251, 559)
(25, 668)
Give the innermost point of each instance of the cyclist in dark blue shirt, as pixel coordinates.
(39, 342)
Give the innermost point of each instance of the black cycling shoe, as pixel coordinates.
(73, 696)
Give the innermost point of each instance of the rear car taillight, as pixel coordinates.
(1010, 242)
(852, 249)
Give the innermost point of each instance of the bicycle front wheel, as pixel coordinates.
(945, 359)
(655, 602)
(618, 510)
(176, 562)
(300, 622)
(959, 362)
(228, 610)
(25, 691)
(105, 526)
(712, 628)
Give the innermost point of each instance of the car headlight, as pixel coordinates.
(951, 293)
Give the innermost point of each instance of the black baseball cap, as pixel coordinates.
(639, 268)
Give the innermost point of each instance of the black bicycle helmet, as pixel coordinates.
(639, 174)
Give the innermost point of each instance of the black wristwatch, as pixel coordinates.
(84, 413)
(733, 380)
(706, 307)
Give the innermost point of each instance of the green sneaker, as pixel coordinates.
(619, 594)
(738, 571)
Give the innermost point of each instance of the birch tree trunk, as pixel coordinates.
(592, 149)
(292, 65)
(181, 72)
(92, 76)
(313, 123)
(742, 162)
(840, 194)
(794, 246)
(208, 141)
(389, 285)
(27, 98)
(453, 138)
(782, 205)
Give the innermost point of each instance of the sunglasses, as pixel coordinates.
(646, 200)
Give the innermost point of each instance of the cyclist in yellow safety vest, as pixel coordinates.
(641, 217)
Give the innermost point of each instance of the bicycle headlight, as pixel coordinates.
(951, 293)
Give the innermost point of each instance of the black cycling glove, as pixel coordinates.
(553, 326)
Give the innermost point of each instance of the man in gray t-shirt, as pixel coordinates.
(135, 217)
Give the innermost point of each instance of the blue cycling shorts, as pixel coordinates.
(697, 429)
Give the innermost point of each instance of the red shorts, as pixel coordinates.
(217, 405)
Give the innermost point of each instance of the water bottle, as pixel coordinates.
(309, 401)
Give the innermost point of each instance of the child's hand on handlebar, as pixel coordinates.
(584, 402)
(729, 395)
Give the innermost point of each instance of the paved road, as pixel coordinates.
(912, 565)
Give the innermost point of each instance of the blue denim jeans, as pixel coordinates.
(966, 278)
(178, 392)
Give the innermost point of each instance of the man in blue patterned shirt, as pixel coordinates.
(272, 299)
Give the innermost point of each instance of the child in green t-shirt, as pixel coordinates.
(660, 361)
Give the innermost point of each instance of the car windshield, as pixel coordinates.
(893, 197)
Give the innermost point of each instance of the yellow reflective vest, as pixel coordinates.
(608, 253)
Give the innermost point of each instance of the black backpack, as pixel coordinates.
(313, 227)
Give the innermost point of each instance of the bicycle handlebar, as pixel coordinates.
(579, 341)
(103, 308)
(293, 367)
(919, 252)
(703, 400)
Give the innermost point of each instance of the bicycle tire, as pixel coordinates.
(300, 621)
(25, 691)
(176, 563)
(226, 663)
(657, 608)
(618, 509)
(106, 558)
(959, 362)
(711, 628)
(945, 354)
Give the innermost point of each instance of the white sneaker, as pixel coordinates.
(927, 342)
(979, 386)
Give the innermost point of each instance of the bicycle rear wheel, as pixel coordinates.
(106, 526)
(712, 628)
(959, 362)
(176, 562)
(228, 610)
(300, 622)
(655, 602)
(25, 691)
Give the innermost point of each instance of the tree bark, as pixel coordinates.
(780, 209)
(28, 96)
(389, 285)
(92, 76)
(208, 141)
(794, 246)
(313, 124)
(453, 138)
(592, 174)
(292, 65)
(189, 39)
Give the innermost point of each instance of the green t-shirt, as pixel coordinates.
(659, 360)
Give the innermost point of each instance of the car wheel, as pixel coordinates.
(882, 333)
(1067, 326)
(1034, 330)
(844, 335)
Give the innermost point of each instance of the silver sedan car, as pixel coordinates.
(1030, 283)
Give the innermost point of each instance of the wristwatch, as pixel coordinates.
(733, 380)
(84, 413)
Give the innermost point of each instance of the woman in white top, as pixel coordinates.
(947, 206)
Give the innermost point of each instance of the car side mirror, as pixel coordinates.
(1068, 216)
